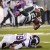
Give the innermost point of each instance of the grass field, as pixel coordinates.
(43, 32)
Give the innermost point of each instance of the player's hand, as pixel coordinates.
(39, 46)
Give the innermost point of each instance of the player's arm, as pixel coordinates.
(16, 46)
(36, 24)
(32, 46)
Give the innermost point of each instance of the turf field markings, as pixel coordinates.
(12, 29)
(25, 26)
(45, 34)
(40, 33)
(44, 42)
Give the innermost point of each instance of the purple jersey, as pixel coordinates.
(18, 6)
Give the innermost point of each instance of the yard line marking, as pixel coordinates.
(10, 29)
(44, 42)
(29, 26)
(1, 35)
(40, 33)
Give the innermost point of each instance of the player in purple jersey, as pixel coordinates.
(31, 42)
(19, 40)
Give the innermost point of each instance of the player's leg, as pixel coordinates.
(26, 15)
(2, 43)
(5, 42)
(29, 9)
(13, 20)
(5, 18)
(16, 21)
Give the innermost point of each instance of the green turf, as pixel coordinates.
(23, 30)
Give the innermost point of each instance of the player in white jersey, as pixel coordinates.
(17, 41)
(7, 12)
(31, 41)
(10, 38)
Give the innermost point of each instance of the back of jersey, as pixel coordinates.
(20, 37)
(27, 36)
(23, 37)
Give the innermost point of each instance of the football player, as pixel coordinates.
(17, 41)
(18, 10)
(7, 12)
(31, 42)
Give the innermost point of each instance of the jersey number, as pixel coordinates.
(19, 37)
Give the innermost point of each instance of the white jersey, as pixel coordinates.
(27, 35)
(5, 8)
(26, 42)
(10, 38)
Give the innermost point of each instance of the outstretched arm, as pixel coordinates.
(14, 47)
(36, 24)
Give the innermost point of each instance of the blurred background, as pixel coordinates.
(44, 4)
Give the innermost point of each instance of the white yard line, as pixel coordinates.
(40, 33)
(44, 42)
(1, 35)
(29, 26)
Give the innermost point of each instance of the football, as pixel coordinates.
(36, 21)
